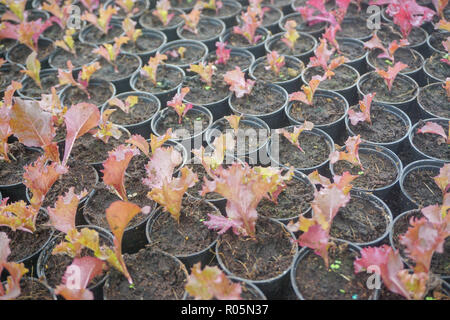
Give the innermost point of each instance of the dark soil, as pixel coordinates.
(192, 55)
(197, 188)
(20, 53)
(435, 67)
(53, 32)
(316, 151)
(239, 41)
(201, 93)
(343, 78)
(434, 100)
(95, 36)
(80, 176)
(316, 282)
(405, 55)
(291, 70)
(9, 73)
(301, 46)
(224, 12)
(293, 201)
(419, 185)
(261, 100)
(32, 289)
(156, 276)
(354, 28)
(126, 65)
(402, 89)
(23, 244)
(270, 17)
(379, 171)
(440, 263)
(182, 4)
(360, 221)
(266, 256)
(169, 119)
(141, 111)
(303, 26)
(12, 172)
(145, 43)
(84, 56)
(388, 33)
(386, 126)
(350, 50)
(325, 110)
(241, 61)
(205, 31)
(99, 92)
(32, 90)
(167, 78)
(140, 5)
(436, 40)
(189, 235)
(149, 21)
(6, 44)
(432, 144)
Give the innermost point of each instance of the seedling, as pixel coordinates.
(434, 128)
(251, 22)
(392, 72)
(27, 33)
(275, 61)
(61, 12)
(67, 44)
(151, 68)
(238, 85)
(321, 57)
(364, 106)
(101, 22)
(222, 54)
(84, 76)
(204, 71)
(111, 52)
(128, 25)
(192, 19)
(33, 68)
(127, 6)
(162, 12)
(212, 5)
(375, 43)
(126, 105)
(178, 105)
(350, 154)
(291, 35)
(293, 136)
(307, 94)
(330, 36)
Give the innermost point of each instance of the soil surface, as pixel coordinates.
(139, 5)
(201, 93)
(379, 171)
(324, 110)
(303, 26)
(343, 78)
(149, 21)
(32, 90)
(261, 100)
(316, 151)
(95, 36)
(192, 55)
(402, 89)
(436, 40)
(350, 50)
(99, 93)
(125, 64)
(189, 122)
(420, 186)
(189, 235)
(84, 56)
(388, 33)
(291, 70)
(156, 276)
(243, 62)
(12, 172)
(301, 46)
(409, 57)
(354, 28)
(434, 100)
(266, 256)
(6, 44)
(33, 290)
(197, 188)
(437, 68)
(385, 127)
(145, 43)
(360, 221)
(432, 144)
(338, 282)
(53, 32)
(239, 41)
(205, 31)
(182, 4)
(20, 53)
(224, 12)
(167, 78)
(141, 111)
(9, 73)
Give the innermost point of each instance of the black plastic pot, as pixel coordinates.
(418, 154)
(289, 85)
(420, 47)
(210, 42)
(349, 93)
(28, 278)
(334, 129)
(392, 145)
(143, 128)
(42, 74)
(429, 78)
(96, 289)
(273, 145)
(93, 83)
(145, 56)
(133, 16)
(60, 50)
(192, 142)
(303, 253)
(10, 69)
(230, 20)
(303, 57)
(275, 119)
(257, 156)
(358, 20)
(123, 84)
(409, 106)
(416, 74)
(42, 42)
(257, 50)
(285, 8)
(170, 31)
(273, 288)
(424, 113)
(407, 203)
(381, 192)
(187, 44)
(359, 63)
(89, 27)
(430, 47)
(203, 256)
(239, 53)
(163, 96)
(301, 27)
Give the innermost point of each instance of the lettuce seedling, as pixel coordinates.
(33, 68)
(61, 12)
(244, 188)
(256, 7)
(307, 96)
(391, 73)
(162, 12)
(127, 6)
(155, 142)
(315, 12)
(88, 268)
(84, 76)
(443, 25)
(446, 86)
(192, 19)
(18, 216)
(115, 167)
(151, 68)
(330, 36)
(178, 105)
(375, 43)
(212, 162)
(204, 71)
(238, 85)
(67, 43)
(16, 12)
(129, 27)
(212, 5)
(177, 53)
(432, 127)
(91, 5)
(52, 104)
(251, 22)
(440, 6)
(293, 136)
(106, 128)
(291, 35)
(222, 54)
(101, 22)
(15, 271)
(275, 61)
(211, 282)
(321, 57)
(5, 118)
(364, 106)
(110, 52)
(350, 154)
(27, 32)
(124, 105)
